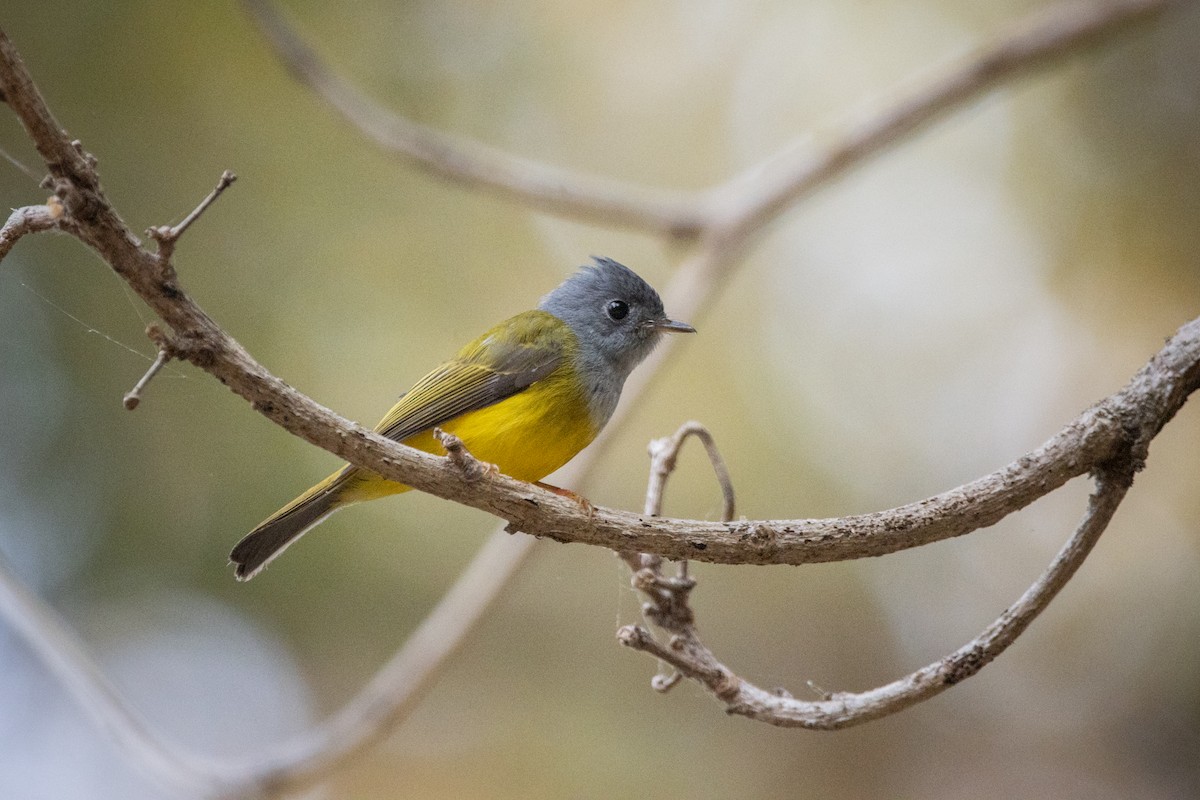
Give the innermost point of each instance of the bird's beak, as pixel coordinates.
(673, 326)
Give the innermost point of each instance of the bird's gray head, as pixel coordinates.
(616, 315)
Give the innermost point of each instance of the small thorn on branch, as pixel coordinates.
(635, 636)
(88, 157)
(31, 219)
(167, 235)
(824, 694)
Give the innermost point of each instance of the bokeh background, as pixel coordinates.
(933, 315)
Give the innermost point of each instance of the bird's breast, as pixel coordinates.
(530, 434)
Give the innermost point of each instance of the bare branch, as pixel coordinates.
(664, 453)
(65, 157)
(1129, 418)
(667, 603)
(691, 658)
(668, 607)
(472, 164)
(472, 468)
(1094, 437)
(168, 235)
(305, 759)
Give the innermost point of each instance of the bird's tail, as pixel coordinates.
(289, 523)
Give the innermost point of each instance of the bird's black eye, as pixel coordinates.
(617, 310)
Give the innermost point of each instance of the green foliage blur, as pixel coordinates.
(937, 313)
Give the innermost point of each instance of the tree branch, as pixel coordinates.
(133, 398)
(167, 235)
(303, 760)
(1097, 435)
(667, 603)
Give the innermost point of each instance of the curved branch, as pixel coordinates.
(1128, 419)
(664, 453)
(694, 660)
(1097, 435)
(303, 760)
(668, 607)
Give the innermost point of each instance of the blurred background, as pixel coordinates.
(938, 312)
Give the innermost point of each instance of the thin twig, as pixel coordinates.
(168, 235)
(471, 467)
(664, 454)
(667, 603)
(134, 396)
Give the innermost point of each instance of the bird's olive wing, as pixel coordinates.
(502, 362)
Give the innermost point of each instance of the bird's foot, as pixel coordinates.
(471, 467)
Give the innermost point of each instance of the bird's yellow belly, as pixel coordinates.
(528, 436)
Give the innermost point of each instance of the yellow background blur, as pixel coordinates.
(935, 314)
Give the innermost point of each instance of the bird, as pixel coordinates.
(526, 397)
